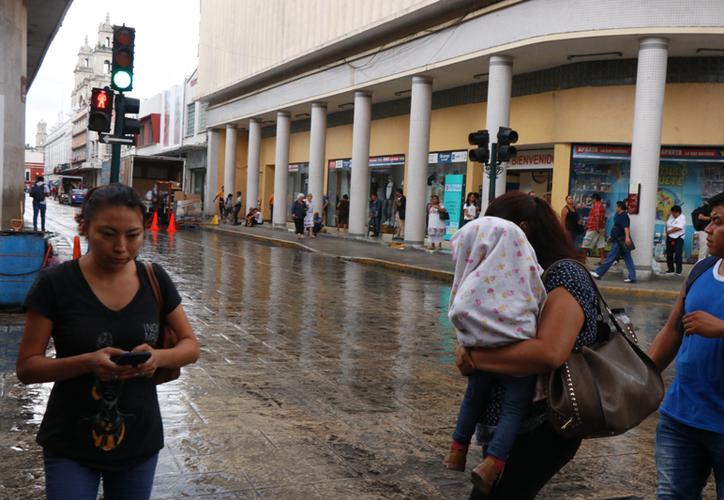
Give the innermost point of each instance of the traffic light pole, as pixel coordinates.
(118, 132)
(492, 170)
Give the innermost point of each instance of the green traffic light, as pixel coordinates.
(122, 80)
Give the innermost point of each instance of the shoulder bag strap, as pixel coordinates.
(153, 281)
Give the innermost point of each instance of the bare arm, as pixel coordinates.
(561, 321)
(564, 212)
(33, 366)
(666, 344)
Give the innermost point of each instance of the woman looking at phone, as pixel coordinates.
(103, 417)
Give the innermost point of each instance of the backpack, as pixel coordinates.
(699, 268)
(37, 192)
(699, 225)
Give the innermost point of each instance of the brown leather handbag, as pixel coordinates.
(167, 338)
(608, 388)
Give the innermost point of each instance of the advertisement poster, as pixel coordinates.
(453, 202)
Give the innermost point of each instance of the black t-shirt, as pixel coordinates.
(105, 425)
(402, 207)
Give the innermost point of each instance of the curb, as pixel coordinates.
(437, 274)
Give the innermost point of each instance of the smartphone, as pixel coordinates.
(131, 358)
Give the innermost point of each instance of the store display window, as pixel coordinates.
(297, 182)
(687, 177)
(338, 183)
(448, 167)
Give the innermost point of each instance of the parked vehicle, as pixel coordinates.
(77, 196)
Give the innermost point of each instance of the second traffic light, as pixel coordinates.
(126, 125)
(122, 62)
(481, 154)
(506, 137)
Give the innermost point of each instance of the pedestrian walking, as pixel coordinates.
(571, 220)
(102, 417)
(491, 308)
(343, 212)
(621, 245)
(595, 236)
(567, 321)
(690, 431)
(375, 215)
(309, 217)
(219, 199)
(271, 207)
(299, 211)
(700, 218)
(38, 193)
(237, 208)
(470, 209)
(400, 207)
(675, 232)
(436, 218)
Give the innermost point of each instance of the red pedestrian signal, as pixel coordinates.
(101, 110)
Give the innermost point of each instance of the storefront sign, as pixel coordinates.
(453, 202)
(377, 162)
(339, 164)
(445, 157)
(666, 153)
(296, 167)
(538, 159)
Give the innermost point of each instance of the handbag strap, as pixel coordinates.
(153, 281)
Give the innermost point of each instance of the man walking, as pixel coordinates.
(690, 432)
(400, 205)
(596, 229)
(700, 218)
(38, 193)
(621, 245)
(375, 215)
(675, 231)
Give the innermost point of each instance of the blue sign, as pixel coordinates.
(453, 202)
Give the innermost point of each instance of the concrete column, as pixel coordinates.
(230, 160)
(500, 81)
(252, 170)
(646, 146)
(360, 179)
(419, 147)
(281, 170)
(213, 138)
(317, 144)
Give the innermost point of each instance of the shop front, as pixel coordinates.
(531, 171)
(687, 177)
(446, 179)
(297, 182)
(337, 186)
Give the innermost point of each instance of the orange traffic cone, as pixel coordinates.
(76, 247)
(171, 224)
(154, 221)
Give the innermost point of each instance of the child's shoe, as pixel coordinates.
(455, 459)
(487, 473)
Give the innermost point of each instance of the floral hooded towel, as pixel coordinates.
(497, 294)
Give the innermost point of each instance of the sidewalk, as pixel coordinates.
(389, 254)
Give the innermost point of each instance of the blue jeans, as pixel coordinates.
(65, 478)
(39, 207)
(516, 402)
(616, 252)
(685, 457)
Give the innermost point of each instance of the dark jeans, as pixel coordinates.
(674, 249)
(299, 226)
(518, 396)
(39, 208)
(618, 252)
(685, 457)
(375, 225)
(536, 457)
(66, 478)
(237, 208)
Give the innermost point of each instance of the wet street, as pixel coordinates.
(318, 378)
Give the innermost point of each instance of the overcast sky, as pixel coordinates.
(167, 34)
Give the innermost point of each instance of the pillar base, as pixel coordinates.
(280, 227)
(414, 243)
(357, 235)
(644, 274)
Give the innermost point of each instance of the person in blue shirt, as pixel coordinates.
(621, 245)
(690, 432)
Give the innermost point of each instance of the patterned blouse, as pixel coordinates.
(576, 280)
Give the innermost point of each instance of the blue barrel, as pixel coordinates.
(21, 257)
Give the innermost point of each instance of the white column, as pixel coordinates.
(252, 170)
(230, 160)
(419, 147)
(360, 181)
(500, 81)
(213, 138)
(281, 171)
(317, 144)
(646, 146)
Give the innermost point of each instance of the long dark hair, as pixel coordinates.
(99, 197)
(544, 230)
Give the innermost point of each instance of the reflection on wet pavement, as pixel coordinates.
(318, 379)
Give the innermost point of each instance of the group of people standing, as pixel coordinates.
(306, 220)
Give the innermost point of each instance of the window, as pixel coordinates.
(107, 43)
(85, 62)
(190, 118)
(107, 66)
(202, 116)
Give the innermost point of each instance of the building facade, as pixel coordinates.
(615, 97)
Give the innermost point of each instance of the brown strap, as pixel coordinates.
(154, 284)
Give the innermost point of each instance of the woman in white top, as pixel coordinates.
(435, 222)
(309, 216)
(470, 209)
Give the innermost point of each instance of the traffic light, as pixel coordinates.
(101, 110)
(481, 154)
(122, 63)
(506, 137)
(124, 124)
